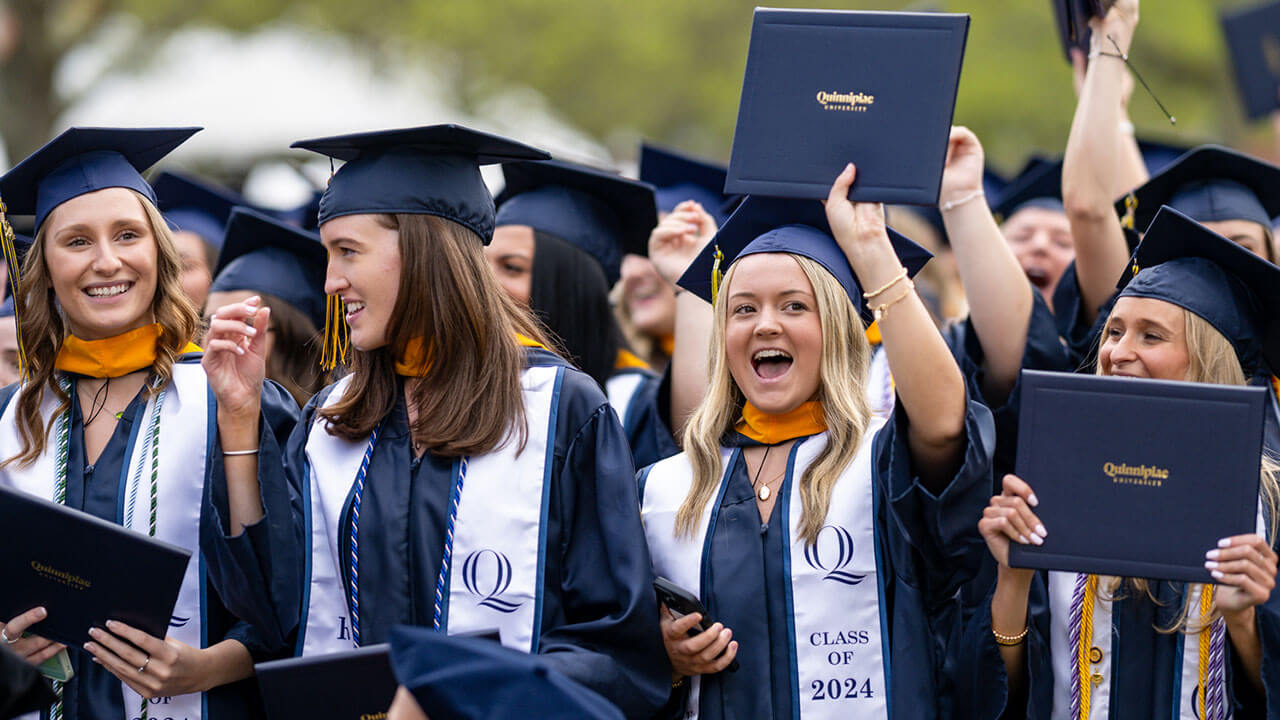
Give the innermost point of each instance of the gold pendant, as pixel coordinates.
(763, 494)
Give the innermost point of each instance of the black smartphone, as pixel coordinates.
(682, 602)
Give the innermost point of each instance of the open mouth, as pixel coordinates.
(108, 291)
(353, 308)
(771, 364)
(1038, 277)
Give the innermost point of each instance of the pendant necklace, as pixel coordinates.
(762, 492)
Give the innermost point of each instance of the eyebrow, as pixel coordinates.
(784, 293)
(342, 239)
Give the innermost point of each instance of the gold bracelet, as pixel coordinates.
(886, 286)
(1011, 640)
(878, 311)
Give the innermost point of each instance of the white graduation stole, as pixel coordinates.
(621, 390)
(1061, 587)
(837, 630)
(880, 391)
(184, 448)
(495, 578)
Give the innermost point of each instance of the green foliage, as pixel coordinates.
(671, 70)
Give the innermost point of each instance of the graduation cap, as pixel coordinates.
(1253, 40)
(1072, 18)
(1210, 183)
(677, 178)
(1038, 185)
(195, 206)
(460, 678)
(84, 160)
(1158, 154)
(263, 254)
(601, 213)
(787, 225)
(1184, 263)
(432, 170)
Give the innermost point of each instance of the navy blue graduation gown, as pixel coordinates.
(646, 420)
(600, 618)
(1146, 663)
(929, 544)
(94, 693)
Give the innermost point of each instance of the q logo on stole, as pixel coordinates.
(487, 574)
(833, 560)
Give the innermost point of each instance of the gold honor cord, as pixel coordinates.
(7, 240)
(336, 335)
(1086, 642)
(1206, 638)
(717, 275)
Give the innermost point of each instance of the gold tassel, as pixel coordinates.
(7, 240)
(717, 275)
(1130, 208)
(336, 338)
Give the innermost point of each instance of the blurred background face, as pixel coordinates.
(8, 351)
(510, 254)
(196, 272)
(1041, 240)
(648, 300)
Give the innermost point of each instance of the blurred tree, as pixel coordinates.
(671, 70)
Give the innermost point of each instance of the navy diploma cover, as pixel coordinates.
(825, 88)
(83, 570)
(351, 685)
(1136, 477)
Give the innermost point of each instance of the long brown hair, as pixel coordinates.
(44, 329)
(846, 357)
(470, 400)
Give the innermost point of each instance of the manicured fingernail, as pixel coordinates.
(250, 330)
(1217, 574)
(1212, 554)
(111, 624)
(1224, 542)
(1210, 565)
(1041, 531)
(254, 300)
(1037, 539)
(94, 632)
(88, 646)
(1023, 539)
(239, 350)
(1032, 500)
(41, 612)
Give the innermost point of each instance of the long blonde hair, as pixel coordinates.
(1210, 359)
(846, 356)
(44, 328)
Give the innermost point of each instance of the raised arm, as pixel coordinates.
(928, 382)
(673, 245)
(1090, 167)
(999, 295)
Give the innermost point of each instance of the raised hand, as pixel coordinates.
(962, 173)
(1008, 518)
(1244, 567)
(235, 355)
(678, 239)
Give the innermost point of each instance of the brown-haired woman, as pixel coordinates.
(115, 417)
(461, 476)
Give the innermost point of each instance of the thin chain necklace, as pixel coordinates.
(762, 491)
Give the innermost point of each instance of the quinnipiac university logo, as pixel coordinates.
(487, 574)
(832, 553)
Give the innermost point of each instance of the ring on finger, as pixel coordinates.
(145, 663)
(8, 640)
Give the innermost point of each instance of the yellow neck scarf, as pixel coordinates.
(416, 360)
(803, 421)
(668, 344)
(627, 359)
(873, 333)
(113, 357)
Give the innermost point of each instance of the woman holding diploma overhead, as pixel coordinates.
(116, 417)
(462, 476)
(826, 545)
(1195, 306)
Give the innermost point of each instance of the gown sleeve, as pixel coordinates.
(258, 573)
(1246, 701)
(646, 425)
(600, 622)
(941, 530)
(1080, 335)
(982, 683)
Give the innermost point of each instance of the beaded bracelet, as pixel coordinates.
(1011, 640)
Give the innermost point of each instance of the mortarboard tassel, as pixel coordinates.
(1130, 208)
(7, 240)
(717, 275)
(336, 339)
